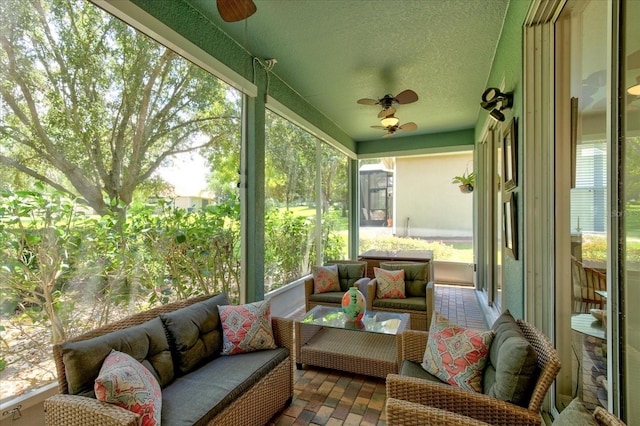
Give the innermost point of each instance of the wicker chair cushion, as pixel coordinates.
(198, 397)
(416, 276)
(334, 297)
(349, 273)
(325, 278)
(408, 304)
(195, 332)
(146, 342)
(415, 369)
(513, 363)
(575, 414)
(390, 284)
(457, 355)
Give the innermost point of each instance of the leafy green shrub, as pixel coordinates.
(38, 241)
(594, 247)
(197, 252)
(334, 245)
(286, 247)
(441, 251)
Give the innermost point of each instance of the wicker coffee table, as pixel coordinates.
(325, 338)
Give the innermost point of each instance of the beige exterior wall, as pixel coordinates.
(426, 197)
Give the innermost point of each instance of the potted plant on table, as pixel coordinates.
(466, 182)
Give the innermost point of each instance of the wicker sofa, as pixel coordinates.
(419, 289)
(243, 389)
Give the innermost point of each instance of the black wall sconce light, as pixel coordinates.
(495, 101)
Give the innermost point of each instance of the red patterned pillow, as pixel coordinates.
(246, 328)
(390, 284)
(127, 383)
(457, 355)
(325, 278)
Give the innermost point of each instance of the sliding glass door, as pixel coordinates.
(630, 207)
(582, 76)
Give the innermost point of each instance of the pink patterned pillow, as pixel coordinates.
(127, 383)
(246, 328)
(390, 284)
(457, 355)
(325, 278)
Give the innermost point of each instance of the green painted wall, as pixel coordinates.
(508, 68)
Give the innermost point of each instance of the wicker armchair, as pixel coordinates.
(586, 281)
(407, 413)
(348, 278)
(466, 404)
(419, 305)
(605, 418)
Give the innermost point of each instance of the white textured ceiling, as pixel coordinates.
(334, 52)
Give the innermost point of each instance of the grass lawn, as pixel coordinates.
(632, 220)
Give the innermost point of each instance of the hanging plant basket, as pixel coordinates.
(465, 182)
(465, 189)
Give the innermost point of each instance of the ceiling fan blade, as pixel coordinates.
(408, 126)
(379, 127)
(406, 97)
(236, 10)
(386, 135)
(386, 112)
(367, 101)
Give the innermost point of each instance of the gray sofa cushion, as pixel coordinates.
(146, 342)
(410, 303)
(513, 363)
(416, 276)
(196, 398)
(195, 333)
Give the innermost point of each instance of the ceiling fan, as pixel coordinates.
(404, 97)
(392, 129)
(236, 10)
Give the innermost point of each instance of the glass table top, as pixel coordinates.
(372, 322)
(601, 293)
(588, 324)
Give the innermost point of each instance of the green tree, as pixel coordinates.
(334, 168)
(290, 162)
(92, 107)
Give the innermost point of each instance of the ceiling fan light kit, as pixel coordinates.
(389, 121)
(391, 130)
(494, 101)
(635, 89)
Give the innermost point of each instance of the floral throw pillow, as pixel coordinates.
(457, 355)
(127, 383)
(325, 279)
(246, 328)
(390, 284)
